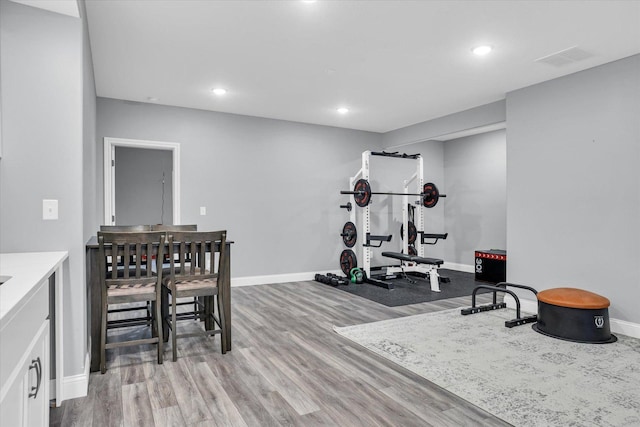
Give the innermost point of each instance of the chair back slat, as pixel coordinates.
(202, 257)
(138, 258)
(126, 259)
(149, 255)
(181, 256)
(193, 246)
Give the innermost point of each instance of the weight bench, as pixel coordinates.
(428, 266)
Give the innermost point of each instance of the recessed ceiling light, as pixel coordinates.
(219, 91)
(482, 50)
(342, 110)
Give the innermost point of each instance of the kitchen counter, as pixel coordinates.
(31, 354)
(32, 294)
(26, 270)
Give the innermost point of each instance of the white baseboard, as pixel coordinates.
(77, 385)
(623, 327)
(526, 305)
(279, 278)
(617, 326)
(459, 267)
(273, 278)
(298, 277)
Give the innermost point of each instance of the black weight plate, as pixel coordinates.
(413, 232)
(430, 195)
(348, 261)
(363, 193)
(349, 234)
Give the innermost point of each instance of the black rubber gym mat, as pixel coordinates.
(405, 293)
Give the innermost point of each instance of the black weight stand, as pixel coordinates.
(501, 287)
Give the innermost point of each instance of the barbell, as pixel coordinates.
(362, 194)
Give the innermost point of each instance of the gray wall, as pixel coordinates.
(573, 184)
(475, 208)
(42, 90)
(482, 115)
(89, 215)
(274, 185)
(416, 138)
(140, 195)
(88, 136)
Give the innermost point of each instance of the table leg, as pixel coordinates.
(94, 302)
(165, 314)
(225, 296)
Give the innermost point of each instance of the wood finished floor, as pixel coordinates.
(287, 368)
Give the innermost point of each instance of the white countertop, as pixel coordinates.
(27, 270)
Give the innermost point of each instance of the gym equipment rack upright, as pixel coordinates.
(417, 179)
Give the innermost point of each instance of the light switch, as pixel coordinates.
(203, 210)
(49, 209)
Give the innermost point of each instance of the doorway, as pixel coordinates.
(141, 182)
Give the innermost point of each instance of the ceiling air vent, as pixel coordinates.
(565, 57)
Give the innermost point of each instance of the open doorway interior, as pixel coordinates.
(143, 186)
(141, 182)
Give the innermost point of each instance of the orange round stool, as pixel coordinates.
(574, 315)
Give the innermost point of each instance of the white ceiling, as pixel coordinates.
(65, 7)
(393, 63)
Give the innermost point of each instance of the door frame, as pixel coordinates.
(110, 145)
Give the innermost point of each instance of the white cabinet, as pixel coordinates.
(24, 363)
(25, 347)
(37, 382)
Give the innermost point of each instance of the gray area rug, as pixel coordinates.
(518, 375)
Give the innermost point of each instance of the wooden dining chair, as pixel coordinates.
(128, 307)
(200, 277)
(165, 266)
(130, 283)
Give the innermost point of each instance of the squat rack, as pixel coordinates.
(416, 179)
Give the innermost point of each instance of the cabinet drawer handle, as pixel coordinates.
(37, 365)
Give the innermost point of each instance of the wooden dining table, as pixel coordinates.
(94, 299)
